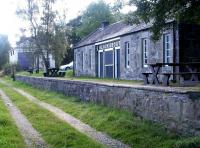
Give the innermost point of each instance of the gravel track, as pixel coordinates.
(76, 123)
(31, 137)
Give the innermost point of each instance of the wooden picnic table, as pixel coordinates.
(54, 72)
(192, 69)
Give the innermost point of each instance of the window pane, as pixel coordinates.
(109, 71)
(108, 57)
(167, 46)
(144, 49)
(127, 54)
(167, 53)
(168, 60)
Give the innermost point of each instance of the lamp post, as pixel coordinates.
(13, 72)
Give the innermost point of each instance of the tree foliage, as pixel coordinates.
(47, 32)
(4, 48)
(92, 17)
(159, 11)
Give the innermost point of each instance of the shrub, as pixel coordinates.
(7, 69)
(69, 73)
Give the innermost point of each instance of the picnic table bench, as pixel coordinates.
(30, 71)
(54, 72)
(192, 71)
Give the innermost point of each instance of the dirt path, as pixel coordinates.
(77, 124)
(31, 137)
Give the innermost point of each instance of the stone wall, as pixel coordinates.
(154, 52)
(177, 110)
(85, 62)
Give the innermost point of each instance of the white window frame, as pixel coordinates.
(105, 65)
(167, 48)
(145, 51)
(99, 63)
(83, 60)
(115, 61)
(76, 56)
(127, 54)
(91, 59)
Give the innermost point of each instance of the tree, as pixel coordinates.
(116, 9)
(159, 11)
(44, 29)
(60, 44)
(4, 48)
(93, 16)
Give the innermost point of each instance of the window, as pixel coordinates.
(90, 59)
(145, 52)
(76, 59)
(127, 55)
(83, 60)
(167, 48)
(108, 61)
(109, 57)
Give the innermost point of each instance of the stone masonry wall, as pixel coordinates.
(154, 53)
(85, 61)
(179, 111)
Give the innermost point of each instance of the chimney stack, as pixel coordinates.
(104, 24)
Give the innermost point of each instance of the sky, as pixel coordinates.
(10, 24)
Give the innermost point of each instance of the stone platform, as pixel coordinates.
(177, 108)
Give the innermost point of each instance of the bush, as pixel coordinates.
(7, 69)
(69, 73)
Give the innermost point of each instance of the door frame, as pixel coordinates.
(115, 62)
(99, 73)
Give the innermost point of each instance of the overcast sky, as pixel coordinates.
(10, 23)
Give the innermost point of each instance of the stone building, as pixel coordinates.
(124, 51)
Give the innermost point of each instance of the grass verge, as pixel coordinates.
(54, 131)
(118, 124)
(9, 134)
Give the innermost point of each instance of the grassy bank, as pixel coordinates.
(119, 124)
(54, 131)
(9, 134)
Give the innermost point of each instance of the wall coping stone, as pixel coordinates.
(169, 89)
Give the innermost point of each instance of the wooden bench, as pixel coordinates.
(30, 71)
(37, 71)
(61, 73)
(194, 77)
(54, 73)
(146, 77)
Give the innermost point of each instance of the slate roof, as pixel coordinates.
(114, 30)
(108, 32)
